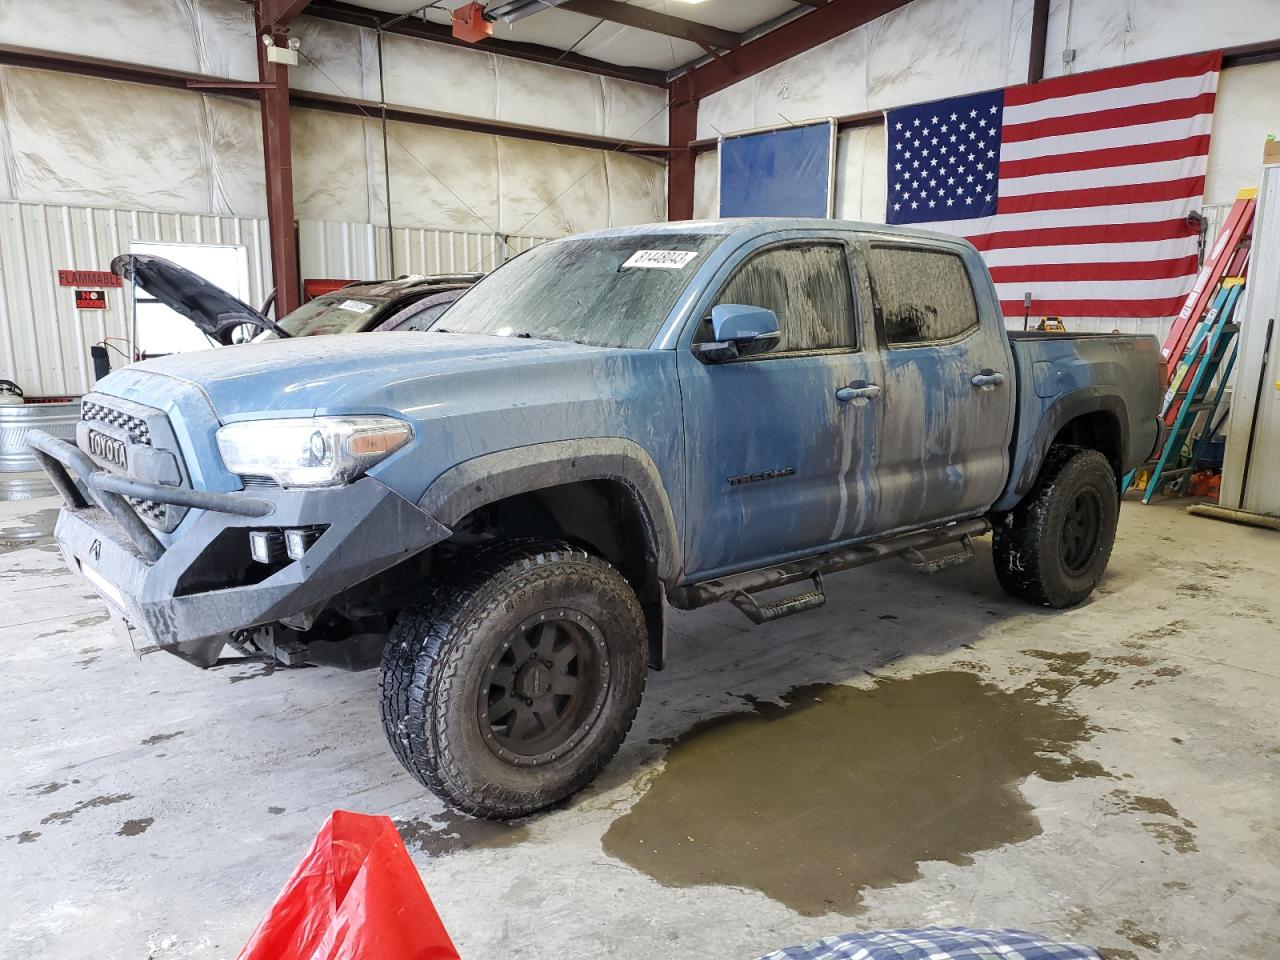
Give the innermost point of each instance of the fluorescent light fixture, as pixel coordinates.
(514, 10)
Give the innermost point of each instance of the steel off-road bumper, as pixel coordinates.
(189, 596)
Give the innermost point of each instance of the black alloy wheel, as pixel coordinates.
(546, 686)
(1080, 529)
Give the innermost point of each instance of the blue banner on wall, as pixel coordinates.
(788, 172)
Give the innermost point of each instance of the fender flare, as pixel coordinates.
(506, 473)
(1029, 455)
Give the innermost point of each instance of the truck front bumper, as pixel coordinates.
(190, 596)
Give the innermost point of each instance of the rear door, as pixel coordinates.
(771, 440)
(948, 398)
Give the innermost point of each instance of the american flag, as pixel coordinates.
(1075, 190)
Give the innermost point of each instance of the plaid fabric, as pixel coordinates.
(936, 943)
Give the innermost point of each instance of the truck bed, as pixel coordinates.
(1057, 372)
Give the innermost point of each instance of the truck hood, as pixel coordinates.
(213, 311)
(364, 372)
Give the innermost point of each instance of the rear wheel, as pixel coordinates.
(517, 679)
(1053, 547)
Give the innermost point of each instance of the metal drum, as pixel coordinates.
(18, 419)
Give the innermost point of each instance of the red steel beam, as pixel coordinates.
(1039, 35)
(794, 37)
(682, 126)
(655, 21)
(280, 12)
(277, 156)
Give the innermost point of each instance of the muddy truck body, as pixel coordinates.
(502, 507)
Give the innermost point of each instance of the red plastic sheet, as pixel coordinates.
(355, 895)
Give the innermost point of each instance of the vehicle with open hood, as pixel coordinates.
(406, 303)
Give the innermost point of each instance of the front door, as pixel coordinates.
(948, 388)
(773, 440)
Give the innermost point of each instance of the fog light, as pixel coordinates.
(298, 541)
(266, 546)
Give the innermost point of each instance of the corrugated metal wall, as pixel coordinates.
(358, 251)
(45, 340)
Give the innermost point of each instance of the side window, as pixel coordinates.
(921, 295)
(416, 316)
(807, 286)
(423, 319)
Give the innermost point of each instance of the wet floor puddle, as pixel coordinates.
(32, 530)
(841, 789)
(449, 832)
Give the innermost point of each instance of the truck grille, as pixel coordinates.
(135, 427)
(142, 427)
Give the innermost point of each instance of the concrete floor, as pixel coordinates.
(1109, 774)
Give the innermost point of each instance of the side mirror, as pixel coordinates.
(738, 330)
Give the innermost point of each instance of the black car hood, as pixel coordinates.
(213, 310)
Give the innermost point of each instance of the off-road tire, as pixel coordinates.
(435, 665)
(1036, 558)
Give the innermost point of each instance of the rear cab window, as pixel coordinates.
(921, 295)
(807, 285)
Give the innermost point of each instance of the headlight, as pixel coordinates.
(311, 452)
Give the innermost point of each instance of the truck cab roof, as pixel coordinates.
(750, 227)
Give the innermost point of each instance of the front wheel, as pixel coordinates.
(1053, 547)
(517, 679)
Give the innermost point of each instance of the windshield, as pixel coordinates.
(328, 314)
(603, 291)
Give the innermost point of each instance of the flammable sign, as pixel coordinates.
(91, 300)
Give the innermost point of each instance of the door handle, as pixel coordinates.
(987, 378)
(868, 392)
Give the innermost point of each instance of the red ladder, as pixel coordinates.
(1226, 252)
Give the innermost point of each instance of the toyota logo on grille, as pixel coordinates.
(107, 448)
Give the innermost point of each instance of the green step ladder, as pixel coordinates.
(1212, 350)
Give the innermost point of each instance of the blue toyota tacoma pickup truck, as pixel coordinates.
(669, 414)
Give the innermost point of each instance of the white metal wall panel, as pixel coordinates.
(1262, 491)
(44, 340)
(360, 251)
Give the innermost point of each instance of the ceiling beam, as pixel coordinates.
(793, 37)
(342, 12)
(655, 21)
(280, 12)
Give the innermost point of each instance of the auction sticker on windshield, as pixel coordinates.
(660, 259)
(355, 306)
